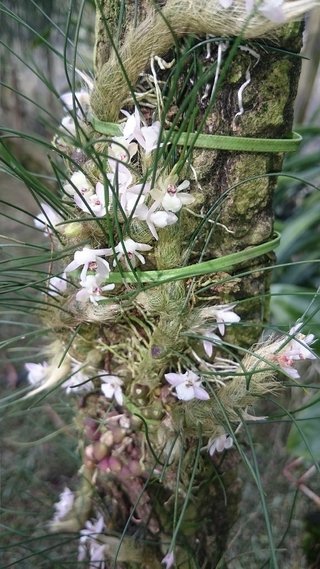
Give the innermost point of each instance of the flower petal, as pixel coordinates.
(201, 393)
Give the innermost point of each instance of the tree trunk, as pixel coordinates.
(161, 492)
(247, 210)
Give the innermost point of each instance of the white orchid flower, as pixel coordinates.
(132, 203)
(299, 346)
(155, 218)
(78, 382)
(170, 195)
(223, 314)
(111, 387)
(48, 219)
(120, 177)
(78, 181)
(219, 444)
(78, 101)
(150, 135)
(146, 136)
(187, 385)
(67, 124)
(208, 344)
(88, 543)
(273, 10)
(36, 372)
(91, 259)
(63, 507)
(159, 219)
(210, 339)
(168, 560)
(91, 289)
(130, 249)
(121, 151)
(94, 203)
(286, 363)
(131, 195)
(57, 285)
(173, 200)
(132, 127)
(97, 556)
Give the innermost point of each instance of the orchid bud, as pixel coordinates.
(104, 464)
(114, 464)
(135, 468)
(107, 438)
(118, 435)
(88, 453)
(99, 451)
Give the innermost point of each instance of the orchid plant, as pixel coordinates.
(152, 307)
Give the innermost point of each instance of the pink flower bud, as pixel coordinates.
(104, 464)
(135, 453)
(125, 473)
(114, 464)
(135, 468)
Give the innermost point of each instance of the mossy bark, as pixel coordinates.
(151, 501)
(248, 180)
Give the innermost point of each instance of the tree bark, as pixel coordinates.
(247, 212)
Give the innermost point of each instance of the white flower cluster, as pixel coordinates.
(89, 545)
(95, 269)
(188, 385)
(78, 381)
(157, 207)
(91, 282)
(271, 9)
(125, 196)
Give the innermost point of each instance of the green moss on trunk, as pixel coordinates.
(247, 180)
